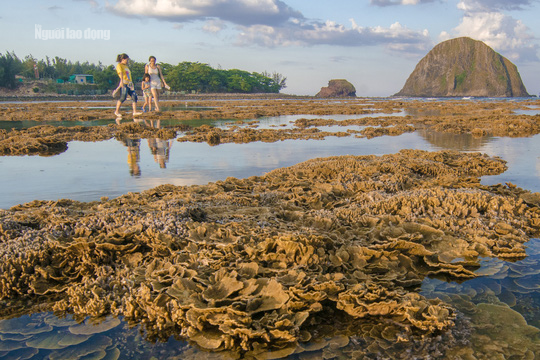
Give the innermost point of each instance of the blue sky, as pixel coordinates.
(375, 44)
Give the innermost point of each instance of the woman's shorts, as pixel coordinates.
(127, 91)
(155, 84)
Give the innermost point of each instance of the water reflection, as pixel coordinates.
(78, 173)
(134, 155)
(160, 148)
(450, 141)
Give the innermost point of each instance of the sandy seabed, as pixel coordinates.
(321, 260)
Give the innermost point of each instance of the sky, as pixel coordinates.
(374, 44)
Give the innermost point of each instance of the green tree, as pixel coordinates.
(27, 67)
(10, 66)
(186, 76)
(137, 70)
(46, 68)
(105, 77)
(239, 81)
(195, 76)
(62, 70)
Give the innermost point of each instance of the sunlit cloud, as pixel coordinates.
(241, 12)
(399, 2)
(484, 20)
(214, 26)
(272, 23)
(396, 37)
(493, 5)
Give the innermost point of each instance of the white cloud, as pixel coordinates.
(396, 37)
(214, 26)
(484, 20)
(399, 2)
(272, 23)
(493, 5)
(241, 12)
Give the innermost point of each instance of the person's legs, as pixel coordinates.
(123, 96)
(147, 101)
(117, 112)
(133, 95)
(155, 95)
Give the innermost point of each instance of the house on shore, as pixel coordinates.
(81, 79)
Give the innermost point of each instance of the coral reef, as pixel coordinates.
(47, 140)
(480, 119)
(323, 254)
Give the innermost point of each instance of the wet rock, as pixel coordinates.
(337, 88)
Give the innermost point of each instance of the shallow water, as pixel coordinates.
(88, 171)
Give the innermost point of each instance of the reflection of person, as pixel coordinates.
(134, 156)
(147, 93)
(163, 148)
(159, 148)
(125, 86)
(157, 81)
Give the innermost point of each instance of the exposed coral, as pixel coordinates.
(479, 118)
(46, 140)
(259, 266)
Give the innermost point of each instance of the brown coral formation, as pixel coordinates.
(261, 266)
(479, 118)
(47, 140)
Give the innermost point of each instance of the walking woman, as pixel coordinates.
(157, 81)
(125, 86)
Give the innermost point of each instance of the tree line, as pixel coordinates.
(186, 76)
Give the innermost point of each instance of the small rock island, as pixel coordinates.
(337, 88)
(464, 67)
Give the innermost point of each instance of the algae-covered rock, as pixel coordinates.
(337, 88)
(464, 67)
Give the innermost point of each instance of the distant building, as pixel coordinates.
(81, 79)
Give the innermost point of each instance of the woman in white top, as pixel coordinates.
(157, 81)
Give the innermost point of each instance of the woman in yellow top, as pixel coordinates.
(125, 86)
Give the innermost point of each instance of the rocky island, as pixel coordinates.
(337, 88)
(464, 67)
